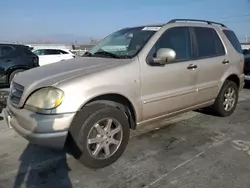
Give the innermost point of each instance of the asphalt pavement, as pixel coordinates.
(194, 150)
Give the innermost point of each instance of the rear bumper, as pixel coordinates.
(43, 130)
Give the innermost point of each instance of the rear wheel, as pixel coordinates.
(11, 76)
(227, 99)
(101, 133)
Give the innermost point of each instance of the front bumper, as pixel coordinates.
(44, 130)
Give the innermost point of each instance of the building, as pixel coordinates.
(76, 49)
(50, 46)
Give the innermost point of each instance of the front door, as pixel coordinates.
(171, 87)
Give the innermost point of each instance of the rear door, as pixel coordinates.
(212, 62)
(52, 55)
(41, 56)
(47, 56)
(64, 55)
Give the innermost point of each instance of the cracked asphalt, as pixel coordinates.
(193, 150)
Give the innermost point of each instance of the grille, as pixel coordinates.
(16, 92)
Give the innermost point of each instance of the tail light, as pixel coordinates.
(36, 61)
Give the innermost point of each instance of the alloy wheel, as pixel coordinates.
(104, 138)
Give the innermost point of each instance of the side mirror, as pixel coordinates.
(164, 56)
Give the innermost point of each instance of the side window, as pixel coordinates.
(208, 43)
(176, 38)
(51, 52)
(6, 50)
(233, 39)
(62, 52)
(38, 52)
(220, 50)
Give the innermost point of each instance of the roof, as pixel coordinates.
(11, 44)
(182, 21)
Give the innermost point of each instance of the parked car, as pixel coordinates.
(90, 103)
(15, 58)
(47, 56)
(247, 68)
(246, 51)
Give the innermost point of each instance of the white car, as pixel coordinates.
(48, 56)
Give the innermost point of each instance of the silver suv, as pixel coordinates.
(134, 76)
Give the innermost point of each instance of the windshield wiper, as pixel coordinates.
(105, 53)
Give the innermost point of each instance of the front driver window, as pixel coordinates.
(178, 39)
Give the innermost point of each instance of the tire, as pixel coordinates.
(218, 107)
(83, 126)
(12, 74)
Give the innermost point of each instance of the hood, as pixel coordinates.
(54, 73)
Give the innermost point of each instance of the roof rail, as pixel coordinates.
(194, 20)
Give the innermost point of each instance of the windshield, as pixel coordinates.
(125, 43)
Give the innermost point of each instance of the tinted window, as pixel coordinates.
(208, 42)
(63, 52)
(39, 52)
(234, 40)
(47, 52)
(51, 52)
(178, 39)
(5, 50)
(220, 50)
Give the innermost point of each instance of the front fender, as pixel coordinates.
(74, 100)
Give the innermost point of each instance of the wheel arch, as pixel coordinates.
(234, 78)
(119, 101)
(11, 69)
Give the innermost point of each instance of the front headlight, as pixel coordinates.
(46, 98)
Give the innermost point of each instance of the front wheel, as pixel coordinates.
(101, 133)
(227, 99)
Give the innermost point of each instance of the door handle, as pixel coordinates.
(225, 61)
(192, 66)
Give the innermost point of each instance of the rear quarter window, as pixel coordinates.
(233, 40)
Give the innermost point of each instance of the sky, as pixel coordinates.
(96, 18)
